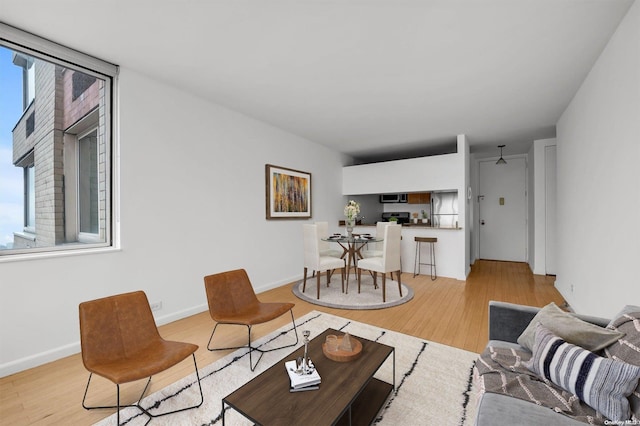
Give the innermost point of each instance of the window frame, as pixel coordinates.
(37, 47)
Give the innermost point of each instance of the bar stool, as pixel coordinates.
(432, 257)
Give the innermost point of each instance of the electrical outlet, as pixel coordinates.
(156, 306)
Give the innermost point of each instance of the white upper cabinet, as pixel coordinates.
(434, 173)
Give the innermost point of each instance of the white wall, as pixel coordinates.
(532, 164)
(466, 204)
(473, 208)
(599, 180)
(537, 205)
(192, 203)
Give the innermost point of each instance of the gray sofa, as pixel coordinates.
(507, 321)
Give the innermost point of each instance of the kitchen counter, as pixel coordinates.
(450, 249)
(406, 225)
(422, 225)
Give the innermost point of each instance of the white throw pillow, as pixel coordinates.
(570, 328)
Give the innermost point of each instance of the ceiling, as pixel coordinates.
(374, 79)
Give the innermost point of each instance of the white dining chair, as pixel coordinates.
(316, 262)
(325, 247)
(388, 263)
(375, 249)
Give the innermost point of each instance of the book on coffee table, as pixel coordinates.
(306, 388)
(300, 382)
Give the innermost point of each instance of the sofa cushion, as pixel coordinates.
(502, 410)
(569, 328)
(627, 349)
(602, 383)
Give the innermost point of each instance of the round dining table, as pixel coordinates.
(352, 248)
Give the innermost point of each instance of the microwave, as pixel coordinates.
(393, 198)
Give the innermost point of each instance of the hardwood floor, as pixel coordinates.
(446, 311)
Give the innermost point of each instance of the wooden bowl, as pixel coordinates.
(344, 356)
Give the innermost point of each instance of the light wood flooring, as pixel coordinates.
(445, 310)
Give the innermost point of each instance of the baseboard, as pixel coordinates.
(175, 316)
(36, 360)
(276, 284)
(55, 354)
(74, 348)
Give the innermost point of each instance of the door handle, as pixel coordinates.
(482, 222)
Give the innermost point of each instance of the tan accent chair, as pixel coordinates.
(232, 301)
(388, 263)
(120, 342)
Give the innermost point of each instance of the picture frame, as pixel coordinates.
(288, 193)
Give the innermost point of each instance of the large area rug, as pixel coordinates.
(368, 298)
(434, 382)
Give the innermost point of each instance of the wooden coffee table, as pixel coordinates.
(348, 394)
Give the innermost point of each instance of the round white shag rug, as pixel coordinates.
(368, 298)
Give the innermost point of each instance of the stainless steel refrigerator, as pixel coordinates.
(444, 209)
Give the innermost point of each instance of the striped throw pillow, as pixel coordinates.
(604, 384)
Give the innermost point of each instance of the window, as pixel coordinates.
(31, 124)
(28, 77)
(80, 83)
(88, 187)
(61, 137)
(29, 199)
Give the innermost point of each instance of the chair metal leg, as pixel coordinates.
(250, 346)
(184, 408)
(137, 404)
(117, 406)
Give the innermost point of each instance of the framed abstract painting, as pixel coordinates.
(288, 193)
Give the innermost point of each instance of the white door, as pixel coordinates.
(502, 205)
(550, 209)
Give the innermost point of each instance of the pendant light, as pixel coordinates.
(501, 160)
